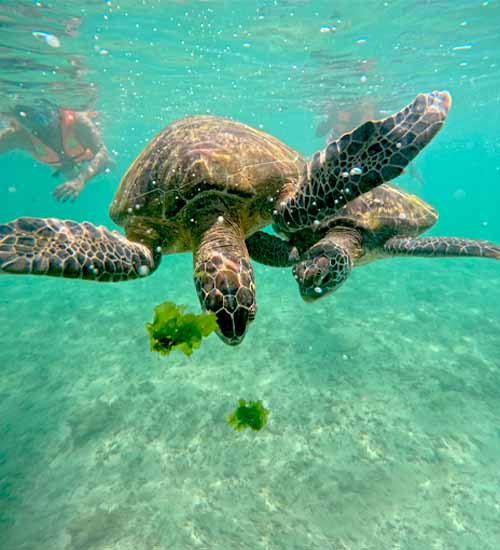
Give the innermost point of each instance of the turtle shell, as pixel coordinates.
(199, 157)
(387, 209)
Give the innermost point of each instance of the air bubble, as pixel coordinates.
(356, 171)
(143, 271)
(49, 39)
(318, 289)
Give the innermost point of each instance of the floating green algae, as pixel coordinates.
(173, 329)
(249, 415)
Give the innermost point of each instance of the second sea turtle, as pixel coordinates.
(382, 223)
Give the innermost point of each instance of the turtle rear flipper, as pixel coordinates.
(440, 247)
(373, 153)
(270, 250)
(63, 248)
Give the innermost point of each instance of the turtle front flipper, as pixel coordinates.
(327, 265)
(373, 153)
(63, 248)
(441, 247)
(223, 276)
(271, 250)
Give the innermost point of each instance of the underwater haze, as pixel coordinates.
(384, 398)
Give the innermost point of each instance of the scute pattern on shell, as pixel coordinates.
(386, 209)
(199, 154)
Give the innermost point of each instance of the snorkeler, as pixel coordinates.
(339, 116)
(67, 140)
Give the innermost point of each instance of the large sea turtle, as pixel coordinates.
(379, 224)
(204, 184)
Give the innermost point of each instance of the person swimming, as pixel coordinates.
(65, 139)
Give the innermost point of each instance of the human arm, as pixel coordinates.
(90, 137)
(9, 139)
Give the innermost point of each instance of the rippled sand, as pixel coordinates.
(383, 432)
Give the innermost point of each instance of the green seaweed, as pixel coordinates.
(249, 415)
(173, 329)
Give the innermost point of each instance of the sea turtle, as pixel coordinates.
(204, 184)
(381, 223)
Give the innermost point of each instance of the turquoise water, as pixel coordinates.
(384, 430)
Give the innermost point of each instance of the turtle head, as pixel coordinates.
(324, 268)
(225, 285)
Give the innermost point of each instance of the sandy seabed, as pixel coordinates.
(384, 429)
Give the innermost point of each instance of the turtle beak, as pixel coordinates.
(312, 294)
(233, 324)
(225, 286)
(310, 280)
(230, 340)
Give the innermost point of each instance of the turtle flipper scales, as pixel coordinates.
(440, 247)
(373, 153)
(63, 248)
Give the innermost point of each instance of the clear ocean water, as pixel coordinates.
(384, 430)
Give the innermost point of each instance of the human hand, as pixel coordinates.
(68, 190)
